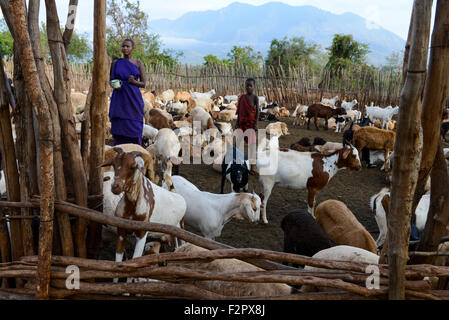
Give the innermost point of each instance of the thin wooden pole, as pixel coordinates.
(407, 150)
(435, 94)
(98, 115)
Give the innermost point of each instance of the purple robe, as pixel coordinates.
(126, 110)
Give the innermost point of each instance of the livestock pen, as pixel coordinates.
(52, 184)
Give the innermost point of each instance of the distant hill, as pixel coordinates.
(215, 32)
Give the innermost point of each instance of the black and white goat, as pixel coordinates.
(364, 122)
(340, 123)
(236, 169)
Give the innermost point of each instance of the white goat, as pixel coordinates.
(210, 212)
(378, 209)
(167, 147)
(340, 253)
(167, 96)
(231, 99)
(329, 147)
(200, 115)
(380, 214)
(300, 115)
(149, 132)
(199, 95)
(383, 115)
(262, 102)
(178, 107)
(349, 105)
(331, 102)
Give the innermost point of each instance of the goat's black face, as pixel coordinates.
(239, 176)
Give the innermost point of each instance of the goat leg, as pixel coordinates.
(223, 179)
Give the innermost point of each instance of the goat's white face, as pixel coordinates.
(251, 208)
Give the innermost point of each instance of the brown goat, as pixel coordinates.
(342, 227)
(320, 111)
(158, 120)
(375, 139)
(182, 96)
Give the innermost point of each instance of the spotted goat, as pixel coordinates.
(300, 170)
(137, 204)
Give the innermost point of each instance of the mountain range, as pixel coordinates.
(217, 31)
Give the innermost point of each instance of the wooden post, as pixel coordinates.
(61, 73)
(438, 216)
(9, 164)
(60, 183)
(435, 94)
(407, 150)
(98, 114)
(70, 25)
(41, 108)
(407, 47)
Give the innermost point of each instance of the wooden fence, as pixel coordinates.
(288, 87)
(348, 279)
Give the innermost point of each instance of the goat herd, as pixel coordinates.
(143, 183)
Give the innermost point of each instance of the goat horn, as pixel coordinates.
(137, 153)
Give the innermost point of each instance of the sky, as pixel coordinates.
(393, 15)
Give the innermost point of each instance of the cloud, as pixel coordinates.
(372, 16)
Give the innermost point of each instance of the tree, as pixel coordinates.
(79, 47)
(345, 52)
(6, 40)
(245, 56)
(211, 60)
(394, 62)
(127, 20)
(291, 52)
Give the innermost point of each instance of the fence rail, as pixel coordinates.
(288, 87)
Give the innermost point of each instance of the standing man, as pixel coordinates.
(126, 110)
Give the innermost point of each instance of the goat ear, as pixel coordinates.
(118, 150)
(107, 163)
(346, 153)
(137, 153)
